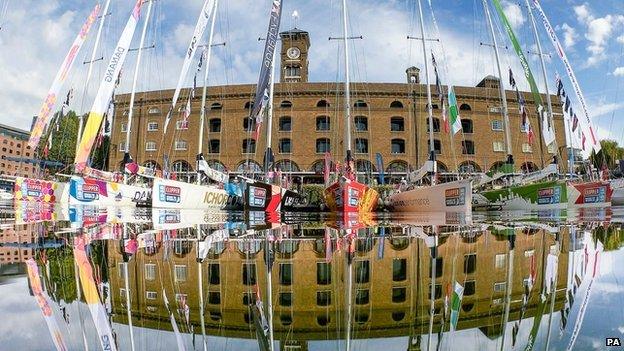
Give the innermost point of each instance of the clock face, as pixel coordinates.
(293, 53)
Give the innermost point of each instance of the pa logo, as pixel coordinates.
(613, 342)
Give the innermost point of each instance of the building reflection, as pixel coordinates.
(391, 286)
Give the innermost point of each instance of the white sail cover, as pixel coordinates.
(213, 173)
(105, 92)
(200, 28)
(61, 76)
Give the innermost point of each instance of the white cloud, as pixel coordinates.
(582, 12)
(599, 31)
(620, 39)
(619, 72)
(569, 36)
(514, 14)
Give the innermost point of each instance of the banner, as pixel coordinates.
(200, 28)
(380, 167)
(548, 132)
(178, 195)
(458, 294)
(61, 76)
(102, 193)
(105, 92)
(91, 296)
(262, 89)
(40, 191)
(595, 143)
(43, 300)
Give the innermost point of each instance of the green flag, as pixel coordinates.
(458, 294)
(454, 112)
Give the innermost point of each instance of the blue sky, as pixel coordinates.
(35, 36)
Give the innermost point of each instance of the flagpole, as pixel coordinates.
(134, 83)
(503, 94)
(429, 100)
(347, 89)
(202, 113)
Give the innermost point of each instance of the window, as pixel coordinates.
(396, 104)
(361, 146)
(437, 291)
(286, 104)
(214, 297)
(527, 148)
(468, 147)
(285, 146)
(397, 146)
(214, 147)
(150, 271)
(181, 145)
(323, 145)
(151, 295)
(360, 104)
(497, 125)
(323, 273)
(322, 103)
(469, 288)
(249, 146)
(399, 269)
(286, 273)
(182, 124)
(323, 123)
(397, 124)
(437, 147)
(500, 287)
(498, 146)
(529, 253)
(500, 261)
(467, 126)
(152, 126)
(470, 263)
(249, 105)
(292, 71)
(436, 125)
(465, 107)
(439, 267)
(285, 124)
(399, 294)
(153, 111)
(180, 273)
(121, 148)
(214, 277)
(362, 296)
(124, 127)
(322, 320)
(361, 123)
(214, 125)
(249, 124)
(285, 299)
(361, 317)
(398, 316)
(216, 106)
(362, 272)
(150, 146)
(323, 298)
(249, 274)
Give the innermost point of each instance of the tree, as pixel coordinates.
(609, 154)
(64, 139)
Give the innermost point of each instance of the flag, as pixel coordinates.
(525, 122)
(185, 112)
(326, 169)
(440, 94)
(454, 112)
(575, 121)
(583, 140)
(458, 294)
(380, 167)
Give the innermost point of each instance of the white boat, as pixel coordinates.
(446, 197)
(86, 191)
(174, 194)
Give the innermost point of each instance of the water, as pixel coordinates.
(548, 280)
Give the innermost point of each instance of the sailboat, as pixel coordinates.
(347, 195)
(453, 196)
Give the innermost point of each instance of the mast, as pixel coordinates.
(429, 101)
(509, 285)
(269, 267)
(349, 298)
(90, 69)
(268, 154)
(503, 95)
(543, 65)
(134, 83)
(347, 85)
(128, 305)
(202, 114)
(200, 276)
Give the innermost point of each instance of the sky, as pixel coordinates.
(36, 35)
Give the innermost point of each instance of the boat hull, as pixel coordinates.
(550, 195)
(87, 191)
(174, 194)
(351, 196)
(260, 196)
(446, 197)
(42, 191)
(590, 194)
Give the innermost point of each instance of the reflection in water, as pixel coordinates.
(230, 282)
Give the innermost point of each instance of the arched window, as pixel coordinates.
(433, 106)
(467, 126)
(285, 146)
(249, 166)
(216, 106)
(361, 146)
(181, 166)
(496, 166)
(528, 167)
(322, 103)
(396, 104)
(397, 167)
(214, 147)
(360, 104)
(468, 147)
(249, 105)
(249, 124)
(398, 316)
(361, 123)
(286, 104)
(323, 123)
(397, 146)
(318, 166)
(436, 125)
(153, 111)
(285, 124)
(364, 166)
(214, 164)
(249, 146)
(214, 125)
(437, 146)
(465, 107)
(397, 124)
(469, 167)
(151, 164)
(287, 166)
(323, 145)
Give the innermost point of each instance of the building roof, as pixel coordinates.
(14, 132)
(294, 31)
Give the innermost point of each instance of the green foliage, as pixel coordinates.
(610, 152)
(314, 194)
(100, 155)
(612, 237)
(64, 140)
(62, 279)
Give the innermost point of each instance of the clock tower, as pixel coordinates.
(294, 56)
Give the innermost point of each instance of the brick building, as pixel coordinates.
(387, 118)
(13, 235)
(13, 143)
